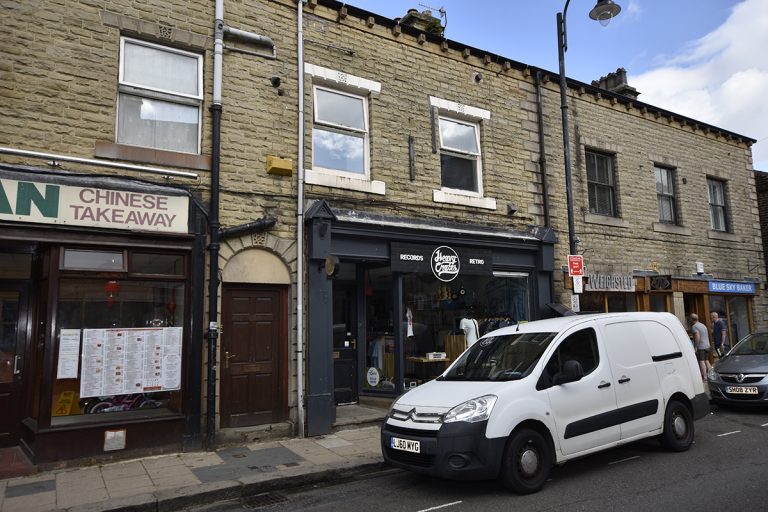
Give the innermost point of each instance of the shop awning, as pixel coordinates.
(560, 309)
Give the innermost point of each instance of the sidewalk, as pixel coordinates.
(175, 481)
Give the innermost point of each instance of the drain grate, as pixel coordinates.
(263, 500)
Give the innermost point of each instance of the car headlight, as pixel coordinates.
(712, 374)
(471, 411)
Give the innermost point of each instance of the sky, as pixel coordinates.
(704, 59)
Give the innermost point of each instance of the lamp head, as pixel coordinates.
(604, 11)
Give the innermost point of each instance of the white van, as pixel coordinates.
(525, 397)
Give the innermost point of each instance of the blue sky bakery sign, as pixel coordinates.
(445, 262)
(731, 287)
(50, 203)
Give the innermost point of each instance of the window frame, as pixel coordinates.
(459, 153)
(344, 130)
(713, 207)
(555, 359)
(668, 196)
(127, 88)
(611, 158)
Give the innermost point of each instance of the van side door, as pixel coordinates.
(582, 409)
(640, 405)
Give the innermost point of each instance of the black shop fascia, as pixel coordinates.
(401, 291)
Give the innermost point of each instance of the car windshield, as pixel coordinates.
(752, 345)
(500, 358)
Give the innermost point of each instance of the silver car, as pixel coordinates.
(741, 376)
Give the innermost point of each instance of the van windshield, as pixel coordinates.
(501, 358)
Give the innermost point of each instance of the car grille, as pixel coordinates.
(421, 460)
(744, 398)
(410, 431)
(731, 378)
(424, 417)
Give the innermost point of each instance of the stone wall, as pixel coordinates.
(761, 184)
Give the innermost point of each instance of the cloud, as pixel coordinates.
(721, 78)
(633, 10)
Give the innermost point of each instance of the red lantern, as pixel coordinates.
(111, 288)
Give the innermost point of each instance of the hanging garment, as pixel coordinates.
(471, 330)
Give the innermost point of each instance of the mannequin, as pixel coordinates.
(471, 330)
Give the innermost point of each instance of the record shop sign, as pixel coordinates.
(610, 283)
(443, 261)
(50, 203)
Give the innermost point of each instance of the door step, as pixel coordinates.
(14, 463)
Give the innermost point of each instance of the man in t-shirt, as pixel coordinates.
(701, 344)
(719, 333)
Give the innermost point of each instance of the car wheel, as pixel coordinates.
(678, 427)
(527, 461)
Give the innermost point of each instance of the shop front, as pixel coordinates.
(100, 289)
(646, 291)
(407, 298)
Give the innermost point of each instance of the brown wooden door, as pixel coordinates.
(253, 356)
(13, 335)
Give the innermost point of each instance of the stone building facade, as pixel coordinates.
(423, 205)
(761, 184)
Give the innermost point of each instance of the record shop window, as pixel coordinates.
(119, 334)
(460, 162)
(160, 97)
(601, 182)
(340, 132)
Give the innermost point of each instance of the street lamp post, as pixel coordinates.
(603, 11)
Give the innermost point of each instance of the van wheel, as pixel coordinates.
(527, 461)
(678, 427)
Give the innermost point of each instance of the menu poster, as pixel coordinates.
(69, 353)
(92, 368)
(126, 361)
(153, 362)
(172, 358)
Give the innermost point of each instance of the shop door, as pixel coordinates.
(344, 344)
(253, 356)
(13, 336)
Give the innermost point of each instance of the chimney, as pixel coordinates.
(423, 21)
(617, 82)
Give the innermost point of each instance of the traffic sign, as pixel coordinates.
(578, 284)
(575, 303)
(575, 265)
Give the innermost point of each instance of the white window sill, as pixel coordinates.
(605, 220)
(441, 196)
(333, 180)
(723, 235)
(671, 229)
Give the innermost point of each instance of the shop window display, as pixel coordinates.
(735, 311)
(380, 339)
(439, 320)
(601, 302)
(120, 344)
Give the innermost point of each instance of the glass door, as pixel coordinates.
(345, 355)
(738, 318)
(13, 334)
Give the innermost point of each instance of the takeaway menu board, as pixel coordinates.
(125, 361)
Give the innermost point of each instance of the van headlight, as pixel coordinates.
(471, 411)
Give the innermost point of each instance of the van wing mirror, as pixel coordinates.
(572, 371)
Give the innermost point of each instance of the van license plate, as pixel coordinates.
(405, 445)
(741, 390)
